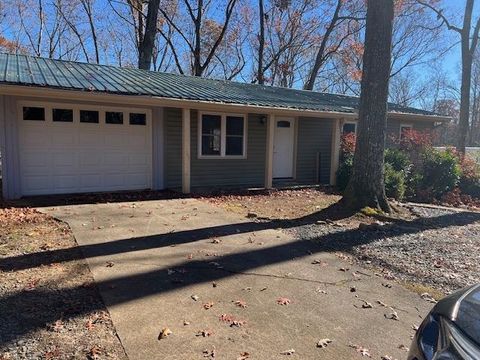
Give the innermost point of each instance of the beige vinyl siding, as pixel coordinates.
(241, 173)
(314, 137)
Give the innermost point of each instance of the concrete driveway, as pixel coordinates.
(182, 264)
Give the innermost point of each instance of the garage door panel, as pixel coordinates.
(58, 158)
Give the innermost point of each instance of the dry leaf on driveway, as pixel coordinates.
(362, 350)
(241, 303)
(205, 333)
(324, 343)
(208, 305)
(283, 301)
(392, 316)
(164, 333)
(288, 352)
(243, 356)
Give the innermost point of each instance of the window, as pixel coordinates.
(234, 136)
(211, 134)
(62, 115)
(138, 119)
(89, 116)
(33, 113)
(349, 128)
(222, 135)
(283, 124)
(113, 117)
(403, 128)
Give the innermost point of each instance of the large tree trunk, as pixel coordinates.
(366, 186)
(467, 57)
(148, 42)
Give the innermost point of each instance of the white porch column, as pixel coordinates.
(186, 140)
(269, 152)
(335, 158)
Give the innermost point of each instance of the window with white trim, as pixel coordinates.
(222, 135)
(403, 128)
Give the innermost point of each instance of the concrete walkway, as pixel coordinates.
(150, 258)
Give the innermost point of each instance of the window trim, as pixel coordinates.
(223, 135)
(404, 125)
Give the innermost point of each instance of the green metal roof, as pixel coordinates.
(59, 74)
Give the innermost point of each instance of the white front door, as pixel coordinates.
(283, 148)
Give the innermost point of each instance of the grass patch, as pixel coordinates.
(421, 289)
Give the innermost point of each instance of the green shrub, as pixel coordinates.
(394, 182)
(398, 159)
(441, 172)
(344, 172)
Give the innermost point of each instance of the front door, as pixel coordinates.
(283, 148)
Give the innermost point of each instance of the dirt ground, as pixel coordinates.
(78, 333)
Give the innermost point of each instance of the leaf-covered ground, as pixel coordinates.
(83, 330)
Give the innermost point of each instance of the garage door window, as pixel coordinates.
(138, 119)
(33, 113)
(114, 117)
(89, 116)
(62, 115)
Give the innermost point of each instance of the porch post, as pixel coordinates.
(335, 158)
(186, 140)
(269, 152)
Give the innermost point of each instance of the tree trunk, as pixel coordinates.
(463, 123)
(261, 44)
(366, 186)
(197, 52)
(148, 42)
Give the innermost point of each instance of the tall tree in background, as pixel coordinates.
(261, 42)
(147, 43)
(469, 41)
(366, 186)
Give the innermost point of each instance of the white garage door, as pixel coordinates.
(72, 148)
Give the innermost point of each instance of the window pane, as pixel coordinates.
(349, 128)
(234, 125)
(234, 145)
(211, 124)
(33, 113)
(62, 115)
(89, 116)
(283, 124)
(138, 119)
(112, 117)
(210, 145)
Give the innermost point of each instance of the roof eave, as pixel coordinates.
(147, 100)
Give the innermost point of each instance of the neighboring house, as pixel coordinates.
(69, 127)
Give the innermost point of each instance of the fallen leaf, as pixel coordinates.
(94, 353)
(205, 333)
(208, 305)
(164, 333)
(288, 352)
(195, 297)
(366, 305)
(243, 356)
(241, 303)
(109, 264)
(344, 269)
(283, 301)
(403, 347)
(362, 350)
(323, 343)
(89, 325)
(392, 316)
(381, 303)
(209, 353)
(319, 262)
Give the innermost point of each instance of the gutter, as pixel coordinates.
(148, 100)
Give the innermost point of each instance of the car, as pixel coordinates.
(451, 330)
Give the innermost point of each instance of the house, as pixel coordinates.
(69, 127)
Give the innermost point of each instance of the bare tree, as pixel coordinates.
(469, 41)
(366, 186)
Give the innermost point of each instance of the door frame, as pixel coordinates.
(294, 121)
